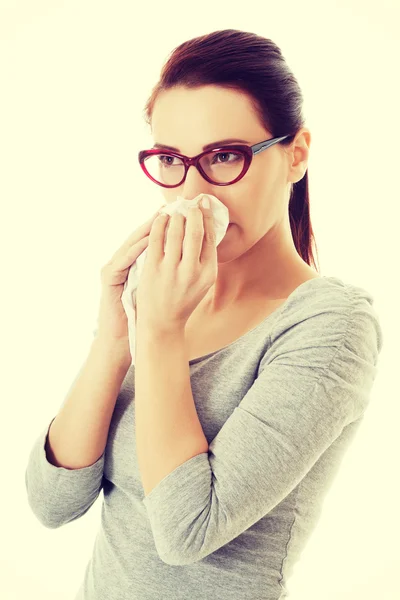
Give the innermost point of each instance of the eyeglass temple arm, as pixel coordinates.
(263, 145)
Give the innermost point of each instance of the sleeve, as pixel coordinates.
(58, 495)
(314, 380)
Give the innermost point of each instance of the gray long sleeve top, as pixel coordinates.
(278, 406)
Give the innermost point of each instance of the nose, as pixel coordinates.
(195, 184)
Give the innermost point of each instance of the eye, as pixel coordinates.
(226, 154)
(165, 156)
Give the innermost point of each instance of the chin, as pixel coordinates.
(223, 252)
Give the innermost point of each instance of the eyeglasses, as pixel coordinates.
(160, 167)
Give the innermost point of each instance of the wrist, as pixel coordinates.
(116, 348)
(151, 330)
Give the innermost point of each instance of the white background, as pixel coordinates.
(74, 79)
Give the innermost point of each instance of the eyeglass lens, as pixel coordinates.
(221, 167)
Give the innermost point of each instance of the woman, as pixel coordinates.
(214, 452)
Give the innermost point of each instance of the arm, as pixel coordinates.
(168, 430)
(64, 474)
(313, 381)
(78, 435)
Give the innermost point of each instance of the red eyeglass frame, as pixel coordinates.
(247, 151)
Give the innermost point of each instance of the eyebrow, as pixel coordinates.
(207, 146)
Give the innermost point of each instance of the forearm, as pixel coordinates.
(78, 435)
(168, 430)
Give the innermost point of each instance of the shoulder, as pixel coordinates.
(327, 313)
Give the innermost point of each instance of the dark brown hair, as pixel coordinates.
(254, 65)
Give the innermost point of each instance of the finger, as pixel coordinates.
(141, 231)
(136, 236)
(193, 236)
(155, 250)
(115, 271)
(209, 239)
(174, 239)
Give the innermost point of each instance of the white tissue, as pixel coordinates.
(128, 298)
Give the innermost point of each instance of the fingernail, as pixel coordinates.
(205, 202)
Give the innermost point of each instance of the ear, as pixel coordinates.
(298, 153)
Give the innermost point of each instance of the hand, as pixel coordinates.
(112, 320)
(173, 284)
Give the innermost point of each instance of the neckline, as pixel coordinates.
(194, 361)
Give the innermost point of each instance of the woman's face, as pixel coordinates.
(187, 119)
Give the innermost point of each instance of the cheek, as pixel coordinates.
(230, 233)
